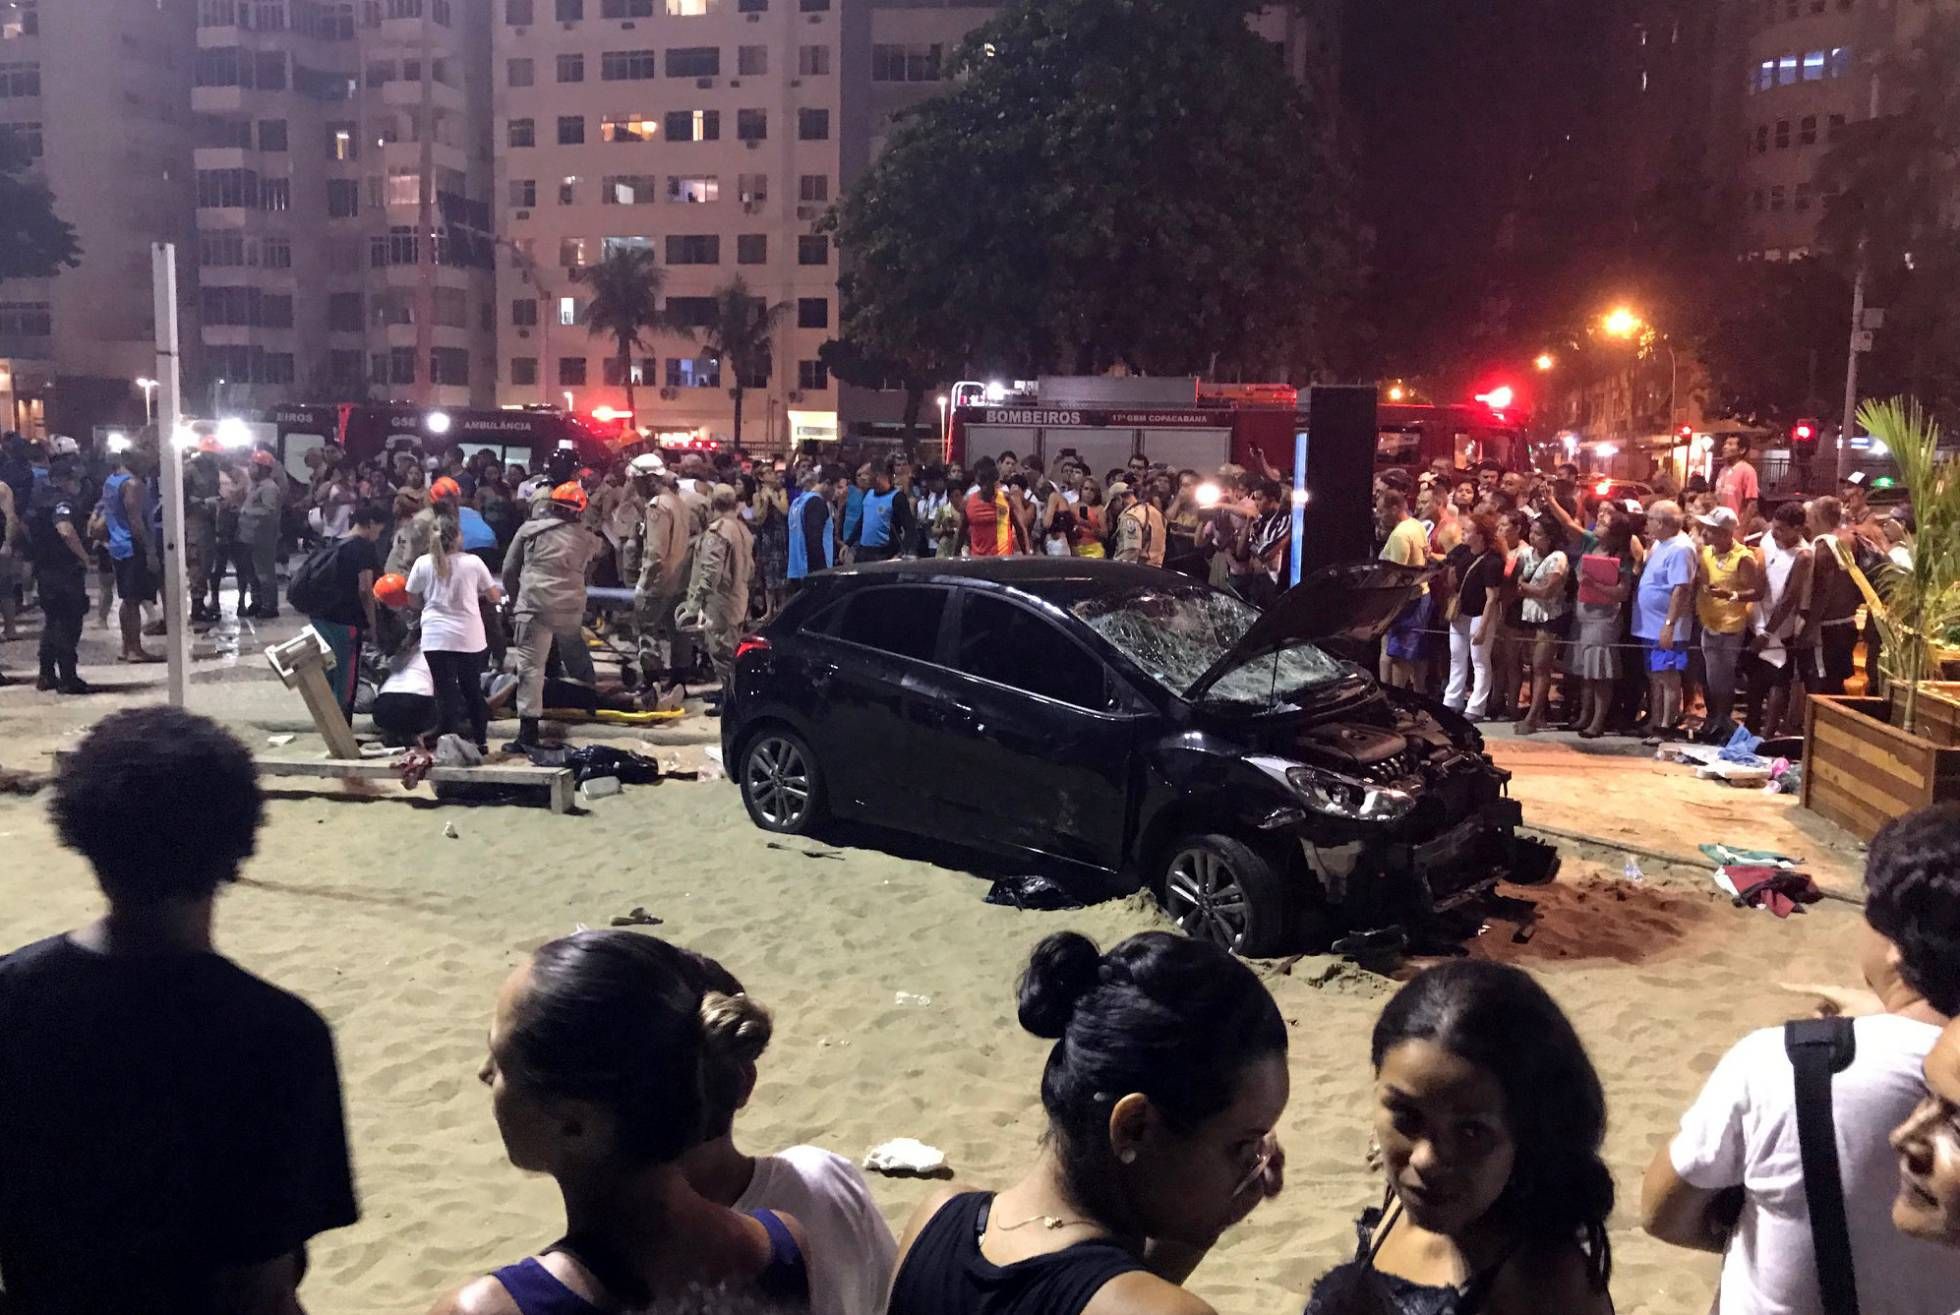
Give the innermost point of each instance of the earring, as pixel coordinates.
(1127, 1157)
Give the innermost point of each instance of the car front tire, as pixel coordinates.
(1218, 888)
(782, 785)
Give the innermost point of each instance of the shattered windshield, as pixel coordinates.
(1176, 635)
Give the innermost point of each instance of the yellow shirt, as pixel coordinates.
(1724, 616)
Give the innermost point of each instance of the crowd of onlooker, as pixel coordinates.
(172, 1132)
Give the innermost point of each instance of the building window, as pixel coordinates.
(26, 319)
(813, 312)
(521, 132)
(1782, 134)
(1756, 200)
(523, 193)
(524, 312)
(812, 376)
(571, 68)
(689, 8)
(278, 253)
(1836, 127)
(629, 65)
(449, 365)
(343, 198)
(344, 312)
(571, 372)
(1762, 138)
(627, 189)
(694, 125)
(613, 246)
(813, 125)
(751, 6)
(272, 134)
(691, 312)
(341, 142)
(1813, 66)
(1807, 130)
(752, 125)
(524, 371)
(913, 63)
(752, 61)
(813, 249)
(221, 250)
(568, 190)
(22, 79)
(753, 189)
(518, 13)
(694, 189)
(568, 312)
(813, 6)
(694, 62)
(752, 249)
(627, 128)
(517, 72)
(1776, 198)
(401, 365)
(20, 19)
(226, 189)
(693, 249)
(1802, 199)
(626, 9)
(1786, 71)
(571, 130)
(813, 61)
(24, 139)
(689, 372)
(813, 189)
(571, 252)
(1840, 65)
(569, 11)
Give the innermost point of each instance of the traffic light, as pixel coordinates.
(1804, 436)
(1686, 433)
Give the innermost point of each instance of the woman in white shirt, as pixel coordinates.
(851, 1249)
(450, 585)
(1545, 613)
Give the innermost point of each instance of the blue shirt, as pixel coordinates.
(875, 520)
(122, 543)
(1670, 564)
(476, 531)
(853, 512)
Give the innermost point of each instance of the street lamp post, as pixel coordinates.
(149, 387)
(1623, 323)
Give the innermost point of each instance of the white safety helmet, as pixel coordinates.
(63, 446)
(647, 463)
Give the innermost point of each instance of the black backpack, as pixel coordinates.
(312, 588)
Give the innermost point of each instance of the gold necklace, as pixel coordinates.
(1049, 1222)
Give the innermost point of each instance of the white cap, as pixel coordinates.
(1721, 516)
(63, 446)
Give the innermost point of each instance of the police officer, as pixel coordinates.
(61, 565)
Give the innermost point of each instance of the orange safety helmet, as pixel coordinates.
(391, 590)
(570, 494)
(261, 457)
(445, 488)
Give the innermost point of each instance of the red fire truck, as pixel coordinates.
(368, 430)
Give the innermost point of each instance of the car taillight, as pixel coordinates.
(751, 644)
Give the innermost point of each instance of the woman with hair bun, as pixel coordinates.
(1167, 1076)
(598, 1051)
(1489, 1117)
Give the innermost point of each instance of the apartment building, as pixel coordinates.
(714, 133)
(91, 94)
(343, 246)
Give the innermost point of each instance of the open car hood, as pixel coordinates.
(1355, 603)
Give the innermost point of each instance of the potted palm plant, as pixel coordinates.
(1870, 759)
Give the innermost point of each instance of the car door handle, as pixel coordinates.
(826, 672)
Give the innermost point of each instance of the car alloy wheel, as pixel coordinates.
(1206, 898)
(777, 781)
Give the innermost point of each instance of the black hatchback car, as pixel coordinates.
(1132, 727)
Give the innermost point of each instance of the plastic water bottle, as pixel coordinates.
(1632, 870)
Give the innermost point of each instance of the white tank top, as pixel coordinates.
(1777, 565)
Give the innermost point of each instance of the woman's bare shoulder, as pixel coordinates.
(479, 1296)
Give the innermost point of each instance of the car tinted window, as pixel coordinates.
(1011, 645)
(901, 619)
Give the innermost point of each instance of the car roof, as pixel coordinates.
(1063, 581)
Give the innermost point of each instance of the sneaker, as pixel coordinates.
(74, 685)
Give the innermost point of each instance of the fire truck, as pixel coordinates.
(1250, 425)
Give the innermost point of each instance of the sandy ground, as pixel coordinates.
(400, 936)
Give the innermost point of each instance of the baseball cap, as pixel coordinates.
(1720, 516)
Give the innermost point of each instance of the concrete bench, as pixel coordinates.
(557, 783)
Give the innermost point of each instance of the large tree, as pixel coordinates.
(625, 304)
(1133, 182)
(34, 241)
(742, 336)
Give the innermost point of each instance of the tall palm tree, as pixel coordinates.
(625, 304)
(742, 334)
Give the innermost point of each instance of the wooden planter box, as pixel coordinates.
(1939, 711)
(1861, 771)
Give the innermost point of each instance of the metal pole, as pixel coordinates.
(1851, 373)
(1299, 501)
(176, 638)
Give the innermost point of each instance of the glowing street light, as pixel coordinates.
(996, 391)
(1396, 392)
(1621, 322)
(117, 441)
(1544, 361)
(437, 422)
(234, 433)
(149, 387)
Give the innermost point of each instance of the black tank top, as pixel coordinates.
(945, 1274)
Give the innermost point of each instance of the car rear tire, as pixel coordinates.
(1220, 889)
(782, 785)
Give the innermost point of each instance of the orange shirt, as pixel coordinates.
(989, 524)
